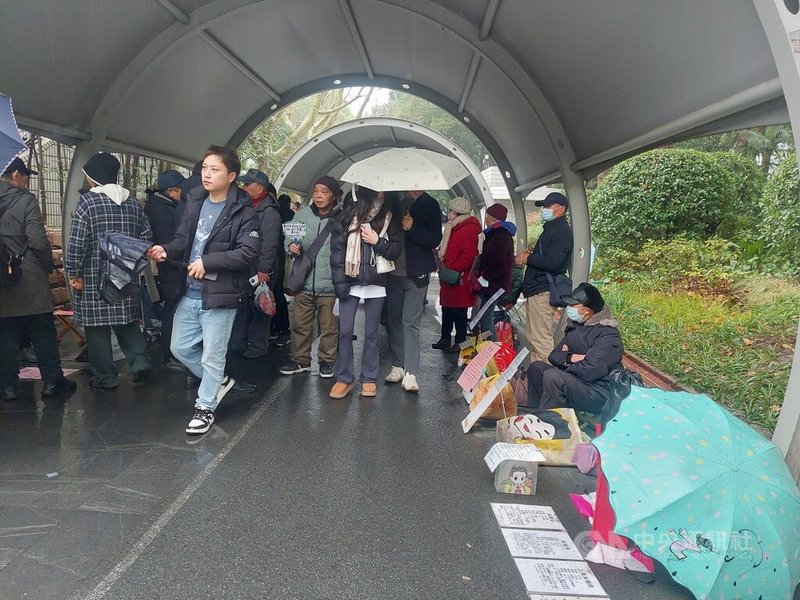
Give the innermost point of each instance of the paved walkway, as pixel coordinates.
(291, 495)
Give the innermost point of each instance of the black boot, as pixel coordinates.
(442, 344)
(62, 386)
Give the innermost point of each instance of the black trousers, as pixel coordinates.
(454, 317)
(41, 330)
(551, 387)
(101, 355)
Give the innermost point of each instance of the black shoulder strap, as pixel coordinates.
(315, 246)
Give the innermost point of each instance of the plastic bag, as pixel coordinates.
(264, 300)
(504, 405)
(505, 334)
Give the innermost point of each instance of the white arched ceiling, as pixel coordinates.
(334, 150)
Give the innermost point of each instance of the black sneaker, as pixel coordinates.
(243, 387)
(293, 368)
(201, 421)
(325, 370)
(282, 339)
(8, 393)
(101, 385)
(62, 386)
(142, 376)
(442, 344)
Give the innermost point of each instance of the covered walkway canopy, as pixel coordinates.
(555, 90)
(334, 150)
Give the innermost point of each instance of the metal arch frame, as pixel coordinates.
(478, 38)
(331, 133)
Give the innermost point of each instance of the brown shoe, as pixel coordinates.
(369, 389)
(341, 389)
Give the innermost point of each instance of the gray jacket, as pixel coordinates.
(319, 281)
(22, 224)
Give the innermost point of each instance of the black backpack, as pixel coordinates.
(10, 262)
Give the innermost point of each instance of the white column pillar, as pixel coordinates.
(579, 211)
(782, 28)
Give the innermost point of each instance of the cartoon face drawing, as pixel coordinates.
(519, 475)
(519, 481)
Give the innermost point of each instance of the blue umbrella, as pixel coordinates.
(10, 142)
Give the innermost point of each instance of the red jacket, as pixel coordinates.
(459, 256)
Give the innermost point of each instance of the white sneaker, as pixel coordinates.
(225, 387)
(395, 375)
(410, 383)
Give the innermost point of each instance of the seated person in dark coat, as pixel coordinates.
(577, 376)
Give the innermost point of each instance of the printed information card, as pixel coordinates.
(530, 543)
(526, 516)
(571, 578)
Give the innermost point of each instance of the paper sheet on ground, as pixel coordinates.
(566, 577)
(485, 306)
(560, 597)
(503, 451)
(474, 370)
(34, 373)
(531, 543)
(475, 414)
(526, 516)
(294, 230)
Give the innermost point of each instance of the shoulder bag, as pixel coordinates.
(383, 264)
(302, 265)
(560, 285)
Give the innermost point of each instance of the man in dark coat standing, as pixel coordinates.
(27, 306)
(577, 375)
(256, 184)
(496, 261)
(162, 212)
(421, 221)
(550, 255)
(218, 238)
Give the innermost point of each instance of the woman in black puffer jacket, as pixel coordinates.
(364, 232)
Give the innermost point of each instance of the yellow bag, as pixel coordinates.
(504, 405)
(555, 432)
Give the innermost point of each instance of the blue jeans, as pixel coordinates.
(487, 320)
(200, 341)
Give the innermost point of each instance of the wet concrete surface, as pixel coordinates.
(291, 494)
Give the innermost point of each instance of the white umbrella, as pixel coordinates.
(402, 169)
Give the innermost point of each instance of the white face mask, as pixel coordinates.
(547, 214)
(573, 314)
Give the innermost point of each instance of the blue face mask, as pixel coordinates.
(573, 314)
(547, 214)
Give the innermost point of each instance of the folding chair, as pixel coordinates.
(65, 323)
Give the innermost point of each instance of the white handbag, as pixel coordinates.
(383, 265)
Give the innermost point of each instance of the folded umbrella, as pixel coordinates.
(703, 493)
(11, 143)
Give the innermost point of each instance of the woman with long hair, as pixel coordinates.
(363, 243)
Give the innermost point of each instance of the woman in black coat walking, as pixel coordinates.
(363, 240)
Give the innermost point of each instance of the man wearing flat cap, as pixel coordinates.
(577, 372)
(550, 256)
(26, 305)
(270, 256)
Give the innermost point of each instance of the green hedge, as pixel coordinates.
(780, 221)
(659, 195)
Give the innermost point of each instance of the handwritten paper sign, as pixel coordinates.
(294, 230)
(474, 371)
(486, 305)
(517, 452)
(526, 516)
(475, 414)
(572, 578)
(530, 543)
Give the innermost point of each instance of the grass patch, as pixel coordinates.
(736, 349)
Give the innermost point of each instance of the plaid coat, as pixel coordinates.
(95, 214)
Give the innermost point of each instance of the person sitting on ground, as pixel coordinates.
(315, 301)
(578, 374)
(457, 252)
(26, 307)
(496, 262)
(364, 232)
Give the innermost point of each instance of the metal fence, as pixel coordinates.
(52, 160)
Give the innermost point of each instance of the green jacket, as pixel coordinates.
(319, 281)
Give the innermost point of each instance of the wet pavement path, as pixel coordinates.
(291, 495)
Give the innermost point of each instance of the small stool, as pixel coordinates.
(66, 325)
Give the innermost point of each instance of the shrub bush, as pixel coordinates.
(780, 222)
(741, 218)
(658, 195)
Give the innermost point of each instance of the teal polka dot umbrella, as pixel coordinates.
(703, 493)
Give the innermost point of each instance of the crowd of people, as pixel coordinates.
(218, 234)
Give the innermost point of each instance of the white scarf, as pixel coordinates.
(448, 230)
(117, 193)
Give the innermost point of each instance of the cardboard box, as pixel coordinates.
(54, 237)
(515, 468)
(60, 296)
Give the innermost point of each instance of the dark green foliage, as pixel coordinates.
(780, 222)
(658, 195)
(741, 218)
